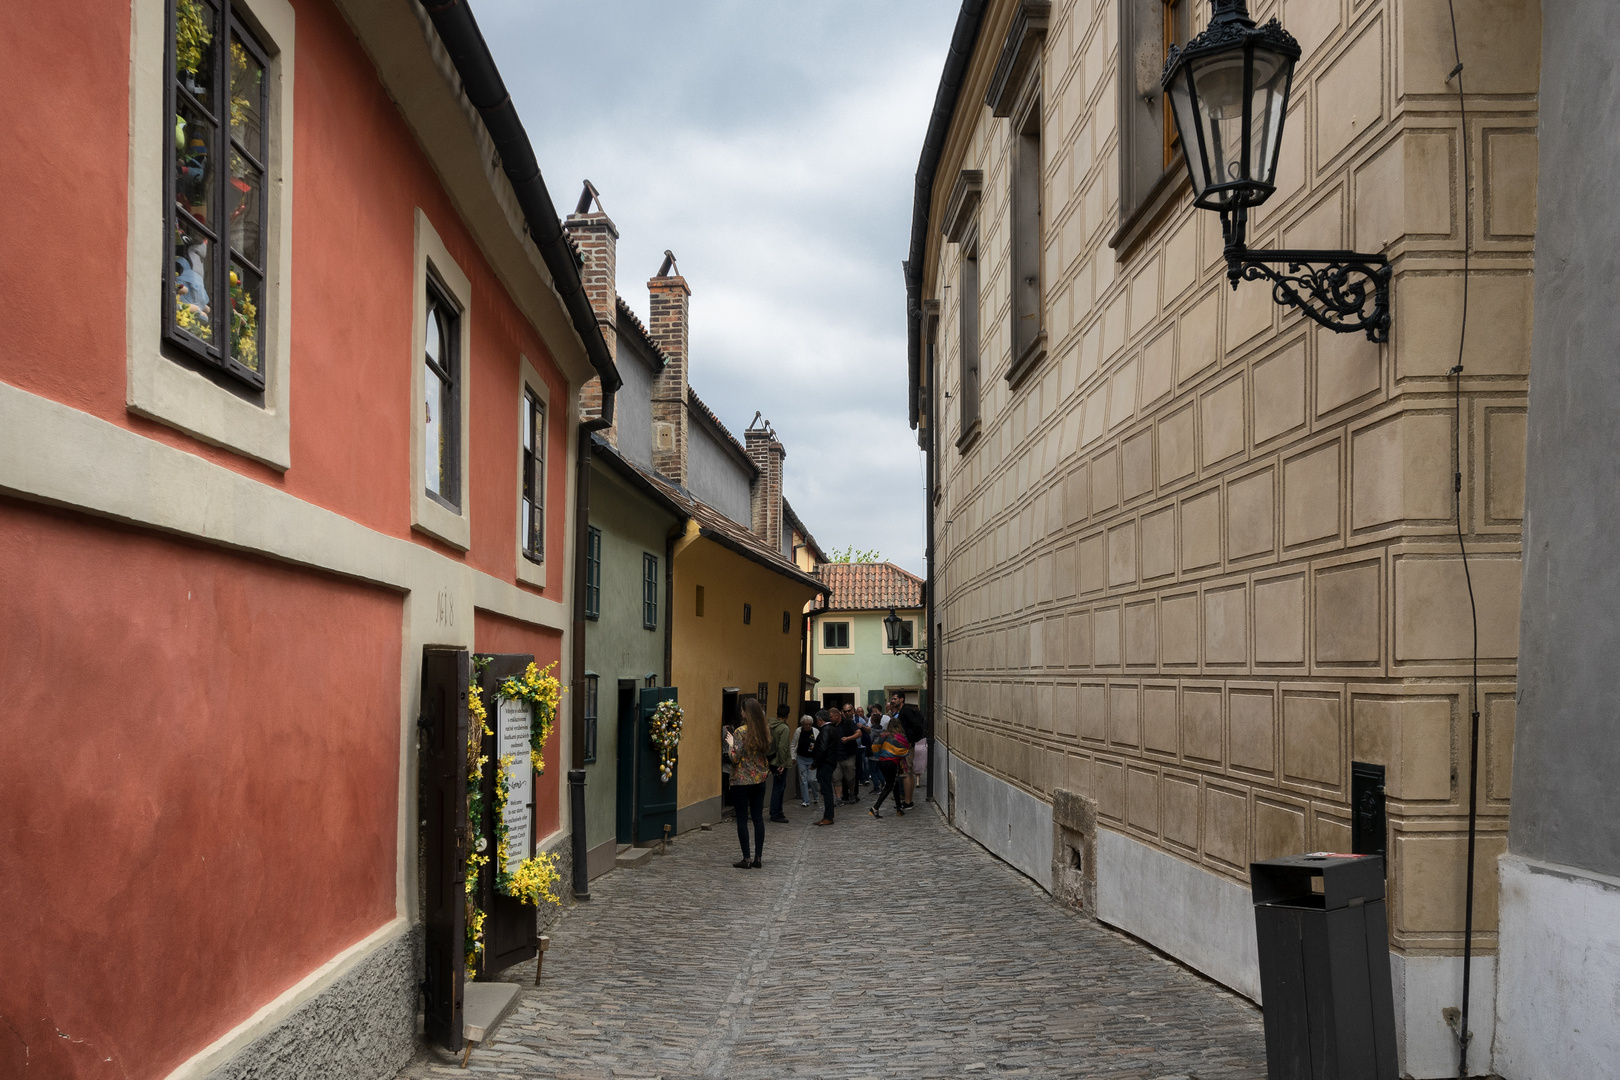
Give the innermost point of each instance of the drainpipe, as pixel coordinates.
(928, 586)
(582, 525)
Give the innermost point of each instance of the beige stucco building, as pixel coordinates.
(1194, 555)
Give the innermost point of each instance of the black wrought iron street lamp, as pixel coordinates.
(891, 628)
(1229, 90)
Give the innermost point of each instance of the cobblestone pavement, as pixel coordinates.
(893, 948)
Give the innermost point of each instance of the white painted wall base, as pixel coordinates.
(1558, 1006)
(1203, 920)
(1425, 986)
(1014, 825)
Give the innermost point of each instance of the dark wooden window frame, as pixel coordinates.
(593, 573)
(748, 614)
(781, 694)
(649, 590)
(1147, 28)
(764, 697)
(968, 361)
(591, 701)
(448, 369)
(1028, 241)
(221, 253)
(534, 479)
(908, 635)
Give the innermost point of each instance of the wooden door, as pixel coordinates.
(655, 797)
(442, 756)
(510, 931)
(624, 792)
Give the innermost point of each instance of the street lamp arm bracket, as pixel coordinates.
(1345, 291)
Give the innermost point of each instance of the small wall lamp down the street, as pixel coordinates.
(1229, 90)
(891, 628)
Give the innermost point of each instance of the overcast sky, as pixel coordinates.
(772, 147)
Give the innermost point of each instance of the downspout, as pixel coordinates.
(676, 531)
(931, 419)
(576, 714)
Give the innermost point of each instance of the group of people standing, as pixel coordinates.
(842, 749)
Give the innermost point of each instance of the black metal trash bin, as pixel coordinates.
(1324, 967)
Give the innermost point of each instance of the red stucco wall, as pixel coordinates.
(199, 758)
(497, 634)
(358, 176)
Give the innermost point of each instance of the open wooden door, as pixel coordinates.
(442, 756)
(510, 930)
(655, 798)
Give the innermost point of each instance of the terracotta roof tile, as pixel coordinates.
(870, 586)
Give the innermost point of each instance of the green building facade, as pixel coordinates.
(848, 653)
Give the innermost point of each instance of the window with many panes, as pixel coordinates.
(649, 591)
(968, 337)
(1150, 176)
(441, 445)
(835, 635)
(590, 718)
(214, 184)
(593, 573)
(764, 696)
(908, 633)
(781, 694)
(1028, 335)
(534, 478)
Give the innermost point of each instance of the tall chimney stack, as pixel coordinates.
(598, 241)
(766, 452)
(667, 326)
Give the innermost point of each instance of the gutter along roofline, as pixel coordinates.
(485, 89)
(963, 39)
(793, 573)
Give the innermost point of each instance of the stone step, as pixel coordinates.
(633, 856)
(483, 1006)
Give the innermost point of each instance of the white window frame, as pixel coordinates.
(821, 637)
(428, 515)
(528, 571)
(156, 386)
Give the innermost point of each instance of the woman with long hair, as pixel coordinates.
(751, 746)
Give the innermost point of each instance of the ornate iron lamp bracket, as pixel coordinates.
(1345, 291)
(916, 656)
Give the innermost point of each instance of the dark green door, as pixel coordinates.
(624, 801)
(655, 798)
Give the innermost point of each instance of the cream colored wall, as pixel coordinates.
(1204, 556)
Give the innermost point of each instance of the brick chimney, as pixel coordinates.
(667, 326)
(598, 241)
(766, 452)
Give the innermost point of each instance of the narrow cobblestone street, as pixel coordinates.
(893, 948)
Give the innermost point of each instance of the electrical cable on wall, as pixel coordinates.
(1463, 1034)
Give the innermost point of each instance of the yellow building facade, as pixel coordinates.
(738, 632)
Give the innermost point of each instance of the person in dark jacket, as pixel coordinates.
(828, 746)
(780, 757)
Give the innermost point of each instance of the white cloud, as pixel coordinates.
(772, 147)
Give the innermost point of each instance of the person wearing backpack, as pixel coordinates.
(890, 749)
(781, 754)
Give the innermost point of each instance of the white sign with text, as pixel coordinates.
(512, 737)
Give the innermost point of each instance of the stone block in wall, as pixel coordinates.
(1279, 393)
(1251, 510)
(1279, 829)
(1311, 496)
(1159, 719)
(1176, 446)
(1202, 729)
(1313, 739)
(1347, 609)
(1429, 875)
(1201, 530)
(1142, 800)
(1433, 619)
(1350, 93)
(1504, 465)
(1500, 315)
(1500, 41)
(1348, 369)
(1074, 849)
(1181, 811)
(1279, 620)
(1252, 729)
(1411, 737)
(1226, 827)
(1159, 544)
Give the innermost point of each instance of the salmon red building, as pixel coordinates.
(304, 405)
